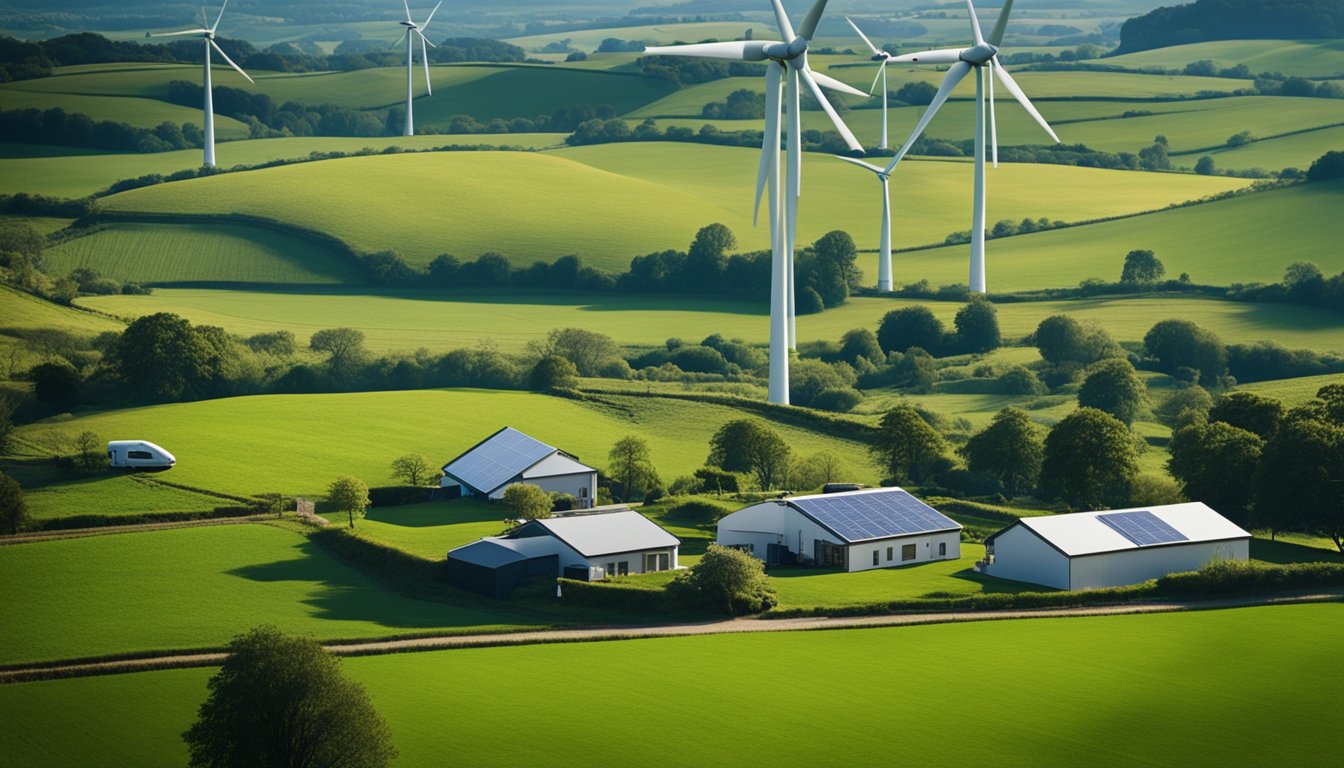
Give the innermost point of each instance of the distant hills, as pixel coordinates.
(1233, 20)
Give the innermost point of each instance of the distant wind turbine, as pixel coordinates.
(981, 56)
(208, 34)
(880, 56)
(787, 67)
(413, 31)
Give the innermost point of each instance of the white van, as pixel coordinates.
(138, 454)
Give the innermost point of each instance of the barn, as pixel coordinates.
(508, 457)
(584, 546)
(1091, 550)
(853, 530)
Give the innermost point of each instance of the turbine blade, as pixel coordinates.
(220, 17)
(812, 19)
(1016, 90)
(201, 31)
(430, 17)
(424, 57)
(424, 39)
(830, 83)
(221, 52)
(860, 163)
(940, 56)
(954, 76)
(993, 124)
(399, 39)
(866, 41)
(782, 20)
(407, 5)
(877, 77)
(808, 78)
(975, 24)
(741, 50)
(1001, 23)
(770, 139)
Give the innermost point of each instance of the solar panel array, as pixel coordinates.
(498, 459)
(878, 515)
(1142, 528)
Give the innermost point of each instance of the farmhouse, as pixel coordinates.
(583, 546)
(508, 457)
(1090, 550)
(854, 530)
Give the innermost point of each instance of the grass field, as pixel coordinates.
(1106, 691)
(212, 253)
(140, 112)
(1306, 58)
(652, 196)
(51, 493)
(22, 311)
(431, 529)
(196, 587)
(1296, 151)
(1293, 391)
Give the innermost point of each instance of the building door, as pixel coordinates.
(830, 555)
(775, 554)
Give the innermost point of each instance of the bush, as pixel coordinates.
(725, 581)
(838, 400)
(697, 512)
(1220, 577)
(398, 495)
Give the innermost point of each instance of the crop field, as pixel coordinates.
(405, 321)
(196, 587)
(199, 253)
(1307, 58)
(1149, 689)
(238, 452)
(652, 196)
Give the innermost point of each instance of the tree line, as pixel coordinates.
(1232, 20)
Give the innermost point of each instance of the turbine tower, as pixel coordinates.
(413, 31)
(882, 174)
(208, 34)
(786, 69)
(879, 56)
(982, 56)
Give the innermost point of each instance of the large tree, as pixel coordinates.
(283, 701)
(1181, 344)
(1089, 461)
(345, 346)
(906, 446)
(1215, 463)
(861, 342)
(828, 267)
(1113, 386)
(528, 501)
(749, 445)
(909, 327)
(349, 495)
(1300, 479)
(1062, 339)
(1141, 266)
(1249, 411)
(161, 357)
(13, 507)
(978, 326)
(553, 372)
(708, 255)
(589, 351)
(413, 469)
(1010, 448)
(630, 466)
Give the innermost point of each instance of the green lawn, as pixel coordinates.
(431, 529)
(196, 587)
(1105, 691)
(53, 493)
(1306, 58)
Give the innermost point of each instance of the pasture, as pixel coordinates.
(1297, 150)
(140, 112)
(1305, 58)
(1152, 689)
(196, 587)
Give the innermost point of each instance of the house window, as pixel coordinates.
(875, 554)
(889, 550)
(664, 561)
(907, 552)
(655, 562)
(829, 555)
(942, 549)
(611, 569)
(623, 568)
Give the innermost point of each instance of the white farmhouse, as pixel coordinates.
(1090, 550)
(508, 457)
(853, 531)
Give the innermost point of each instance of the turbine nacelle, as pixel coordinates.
(941, 56)
(980, 54)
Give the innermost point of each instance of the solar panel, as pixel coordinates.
(877, 515)
(1142, 528)
(494, 462)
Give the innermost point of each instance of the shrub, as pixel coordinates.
(838, 400)
(727, 581)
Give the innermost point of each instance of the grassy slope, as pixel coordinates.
(431, 529)
(53, 493)
(1108, 691)
(1308, 58)
(26, 312)
(1297, 151)
(130, 592)
(1293, 391)
(199, 253)
(408, 320)
(144, 113)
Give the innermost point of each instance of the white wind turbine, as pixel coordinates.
(208, 34)
(787, 67)
(413, 31)
(879, 56)
(983, 55)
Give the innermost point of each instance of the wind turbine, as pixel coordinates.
(787, 68)
(882, 174)
(413, 31)
(879, 56)
(208, 34)
(981, 56)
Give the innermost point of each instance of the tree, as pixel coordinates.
(906, 446)
(589, 351)
(161, 358)
(749, 445)
(1181, 344)
(828, 267)
(528, 501)
(816, 470)
(349, 495)
(727, 580)
(909, 327)
(1254, 413)
(1089, 460)
(56, 383)
(553, 372)
(283, 701)
(1010, 449)
(89, 453)
(1299, 483)
(413, 469)
(707, 256)
(1185, 405)
(1061, 339)
(631, 467)
(1215, 463)
(978, 326)
(1327, 166)
(344, 345)
(1141, 267)
(13, 507)
(1204, 166)
(861, 342)
(1113, 386)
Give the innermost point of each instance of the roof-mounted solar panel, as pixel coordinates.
(497, 460)
(874, 515)
(1144, 529)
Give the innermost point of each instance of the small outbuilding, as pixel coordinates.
(585, 546)
(508, 457)
(853, 530)
(1091, 550)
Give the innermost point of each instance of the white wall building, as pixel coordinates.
(1091, 550)
(508, 457)
(854, 530)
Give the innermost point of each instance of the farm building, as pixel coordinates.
(508, 457)
(1090, 550)
(585, 547)
(854, 530)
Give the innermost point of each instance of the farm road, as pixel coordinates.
(597, 634)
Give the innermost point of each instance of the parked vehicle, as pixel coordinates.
(138, 454)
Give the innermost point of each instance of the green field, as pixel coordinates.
(52, 494)
(1106, 691)
(23, 311)
(1293, 391)
(431, 529)
(144, 113)
(1296, 151)
(202, 253)
(1306, 58)
(196, 587)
